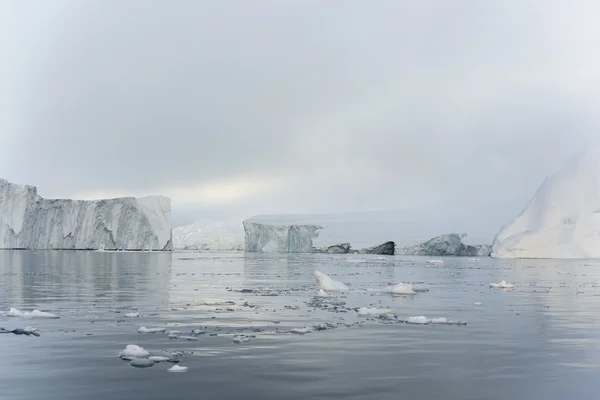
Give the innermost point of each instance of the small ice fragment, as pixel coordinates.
(177, 368)
(502, 285)
(133, 350)
(197, 332)
(158, 358)
(323, 293)
(141, 362)
(402, 288)
(328, 284)
(477, 303)
(143, 329)
(418, 320)
(173, 335)
(13, 312)
(376, 312)
(441, 320)
(435, 261)
(187, 337)
(300, 331)
(241, 339)
(132, 315)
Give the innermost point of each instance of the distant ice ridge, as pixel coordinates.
(562, 220)
(28, 221)
(205, 235)
(278, 238)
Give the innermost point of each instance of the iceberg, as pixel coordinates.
(387, 248)
(446, 245)
(562, 220)
(29, 221)
(279, 238)
(327, 284)
(205, 235)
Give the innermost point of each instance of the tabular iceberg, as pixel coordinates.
(210, 235)
(562, 220)
(28, 221)
(279, 238)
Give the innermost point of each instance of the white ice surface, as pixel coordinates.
(178, 368)
(133, 350)
(502, 285)
(210, 235)
(372, 312)
(13, 312)
(143, 329)
(562, 220)
(328, 284)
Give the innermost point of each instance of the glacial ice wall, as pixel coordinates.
(28, 221)
(562, 220)
(279, 238)
(210, 235)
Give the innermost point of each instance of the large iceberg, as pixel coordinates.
(446, 245)
(562, 220)
(278, 238)
(210, 235)
(28, 221)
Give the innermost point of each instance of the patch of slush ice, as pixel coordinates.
(13, 312)
(328, 284)
(300, 331)
(133, 350)
(375, 312)
(502, 285)
(132, 315)
(177, 368)
(241, 339)
(143, 329)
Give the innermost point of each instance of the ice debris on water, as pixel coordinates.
(13, 312)
(421, 320)
(141, 362)
(477, 303)
(177, 368)
(158, 358)
(300, 331)
(323, 293)
(373, 312)
(132, 315)
(328, 284)
(435, 261)
(133, 350)
(28, 331)
(502, 285)
(143, 329)
(241, 339)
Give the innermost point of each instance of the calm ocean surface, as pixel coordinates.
(540, 340)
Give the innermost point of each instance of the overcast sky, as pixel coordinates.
(236, 108)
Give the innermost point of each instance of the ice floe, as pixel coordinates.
(177, 368)
(502, 285)
(133, 350)
(328, 284)
(421, 320)
(241, 339)
(13, 312)
(143, 329)
(372, 312)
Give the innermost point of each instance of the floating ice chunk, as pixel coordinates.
(300, 331)
(417, 320)
(435, 261)
(241, 339)
(421, 320)
(177, 368)
(173, 334)
(187, 337)
(13, 312)
(402, 288)
(477, 303)
(328, 284)
(323, 293)
(143, 329)
(196, 332)
(141, 362)
(133, 350)
(159, 358)
(132, 315)
(502, 285)
(375, 312)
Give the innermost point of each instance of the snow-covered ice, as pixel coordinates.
(502, 285)
(13, 312)
(241, 339)
(329, 285)
(278, 238)
(422, 320)
(132, 315)
(143, 329)
(562, 220)
(28, 221)
(372, 312)
(300, 331)
(133, 350)
(178, 368)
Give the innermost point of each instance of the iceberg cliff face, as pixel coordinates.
(262, 237)
(562, 220)
(28, 221)
(205, 235)
(446, 245)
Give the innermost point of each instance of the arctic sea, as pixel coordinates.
(540, 340)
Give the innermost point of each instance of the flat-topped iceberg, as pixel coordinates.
(562, 220)
(279, 238)
(210, 235)
(28, 221)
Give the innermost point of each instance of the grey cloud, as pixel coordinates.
(441, 107)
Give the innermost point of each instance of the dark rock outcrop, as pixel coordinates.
(386, 249)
